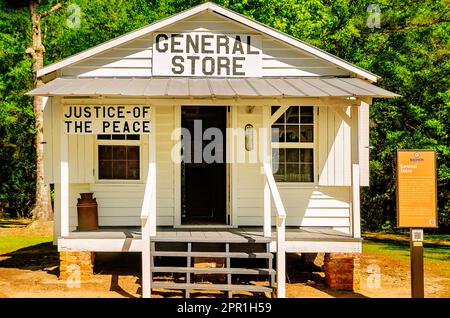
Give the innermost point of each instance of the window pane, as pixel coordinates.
(278, 133)
(133, 153)
(306, 172)
(119, 169)
(105, 169)
(133, 170)
(306, 114)
(306, 133)
(292, 172)
(118, 137)
(279, 174)
(292, 115)
(119, 152)
(133, 137)
(292, 155)
(292, 134)
(104, 137)
(306, 155)
(104, 152)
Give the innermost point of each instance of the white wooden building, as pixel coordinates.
(211, 64)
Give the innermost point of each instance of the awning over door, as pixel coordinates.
(212, 87)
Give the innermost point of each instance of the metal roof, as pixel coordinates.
(207, 87)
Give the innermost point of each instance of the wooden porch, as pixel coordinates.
(128, 239)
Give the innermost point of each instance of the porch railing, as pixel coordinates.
(271, 190)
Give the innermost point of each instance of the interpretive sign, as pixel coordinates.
(416, 188)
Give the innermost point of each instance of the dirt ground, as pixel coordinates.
(33, 272)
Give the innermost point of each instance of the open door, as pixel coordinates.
(203, 183)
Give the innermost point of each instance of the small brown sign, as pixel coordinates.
(416, 189)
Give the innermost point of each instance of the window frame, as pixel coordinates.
(105, 142)
(300, 145)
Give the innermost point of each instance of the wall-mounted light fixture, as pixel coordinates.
(249, 136)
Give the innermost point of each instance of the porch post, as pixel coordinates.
(64, 180)
(264, 140)
(152, 172)
(356, 214)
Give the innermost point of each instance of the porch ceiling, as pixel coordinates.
(212, 87)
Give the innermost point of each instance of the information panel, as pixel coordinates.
(416, 189)
(106, 119)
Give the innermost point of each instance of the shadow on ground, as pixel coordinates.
(40, 257)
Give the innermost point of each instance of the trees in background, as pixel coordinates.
(409, 50)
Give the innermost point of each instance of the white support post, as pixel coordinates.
(64, 180)
(281, 258)
(152, 172)
(265, 153)
(356, 202)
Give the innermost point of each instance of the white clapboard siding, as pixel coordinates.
(334, 149)
(81, 158)
(48, 141)
(135, 58)
(363, 138)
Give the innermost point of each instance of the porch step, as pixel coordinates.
(213, 254)
(224, 287)
(213, 270)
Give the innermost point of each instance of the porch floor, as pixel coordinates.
(216, 234)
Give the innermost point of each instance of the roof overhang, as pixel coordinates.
(239, 18)
(212, 87)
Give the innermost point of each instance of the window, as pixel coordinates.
(293, 145)
(118, 157)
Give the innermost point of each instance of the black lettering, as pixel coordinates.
(237, 66)
(120, 112)
(146, 126)
(238, 45)
(136, 112)
(77, 114)
(211, 67)
(68, 115)
(126, 128)
(116, 128)
(191, 44)
(78, 126)
(87, 112)
(136, 127)
(68, 122)
(177, 62)
(111, 112)
(206, 44)
(222, 41)
(145, 111)
(174, 43)
(223, 62)
(88, 127)
(106, 125)
(249, 46)
(97, 108)
(158, 43)
(193, 59)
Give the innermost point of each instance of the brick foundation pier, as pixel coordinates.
(76, 266)
(342, 271)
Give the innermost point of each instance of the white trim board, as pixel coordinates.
(224, 12)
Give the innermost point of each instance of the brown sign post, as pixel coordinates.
(416, 205)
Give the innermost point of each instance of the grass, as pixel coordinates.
(13, 243)
(14, 223)
(396, 247)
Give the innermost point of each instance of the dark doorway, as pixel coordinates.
(204, 181)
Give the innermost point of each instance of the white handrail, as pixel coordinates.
(281, 212)
(281, 229)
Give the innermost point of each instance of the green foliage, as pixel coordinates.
(410, 52)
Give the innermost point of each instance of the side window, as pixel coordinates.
(293, 145)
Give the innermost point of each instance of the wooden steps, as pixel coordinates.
(226, 265)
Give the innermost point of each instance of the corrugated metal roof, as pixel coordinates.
(217, 87)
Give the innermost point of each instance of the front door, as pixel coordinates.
(204, 168)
